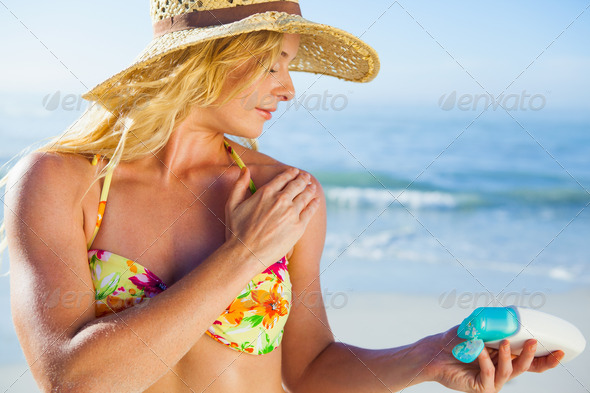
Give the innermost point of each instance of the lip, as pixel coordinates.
(266, 113)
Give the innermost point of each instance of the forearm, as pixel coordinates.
(134, 348)
(345, 368)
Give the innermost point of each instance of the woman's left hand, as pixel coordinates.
(491, 370)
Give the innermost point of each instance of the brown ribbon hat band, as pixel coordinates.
(220, 16)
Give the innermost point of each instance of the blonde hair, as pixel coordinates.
(138, 115)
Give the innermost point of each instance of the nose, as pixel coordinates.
(284, 90)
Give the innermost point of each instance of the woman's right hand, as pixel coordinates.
(272, 220)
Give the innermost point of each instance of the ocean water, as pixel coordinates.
(420, 205)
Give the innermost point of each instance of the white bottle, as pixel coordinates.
(490, 325)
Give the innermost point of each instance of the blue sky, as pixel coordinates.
(428, 49)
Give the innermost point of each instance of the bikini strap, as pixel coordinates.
(240, 163)
(103, 200)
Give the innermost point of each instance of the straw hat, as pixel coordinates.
(179, 24)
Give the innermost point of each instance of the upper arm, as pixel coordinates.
(307, 332)
(51, 290)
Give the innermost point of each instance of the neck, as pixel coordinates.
(190, 146)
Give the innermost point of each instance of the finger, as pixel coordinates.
(504, 365)
(486, 371)
(296, 186)
(279, 182)
(493, 354)
(308, 212)
(545, 363)
(240, 190)
(524, 360)
(303, 199)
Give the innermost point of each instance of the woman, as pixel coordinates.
(190, 279)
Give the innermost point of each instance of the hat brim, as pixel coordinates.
(323, 49)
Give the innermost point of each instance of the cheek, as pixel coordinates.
(267, 100)
(248, 101)
(257, 96)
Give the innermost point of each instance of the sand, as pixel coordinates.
(406, 318)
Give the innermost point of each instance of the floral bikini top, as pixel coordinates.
(252, 323)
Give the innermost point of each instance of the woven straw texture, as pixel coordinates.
(323, 49)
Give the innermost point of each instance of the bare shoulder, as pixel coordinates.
(267, 167)
(47, 175)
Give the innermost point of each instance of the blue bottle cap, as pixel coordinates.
(489, 324)
(468, 351)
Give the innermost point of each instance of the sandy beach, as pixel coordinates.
(406, 318)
